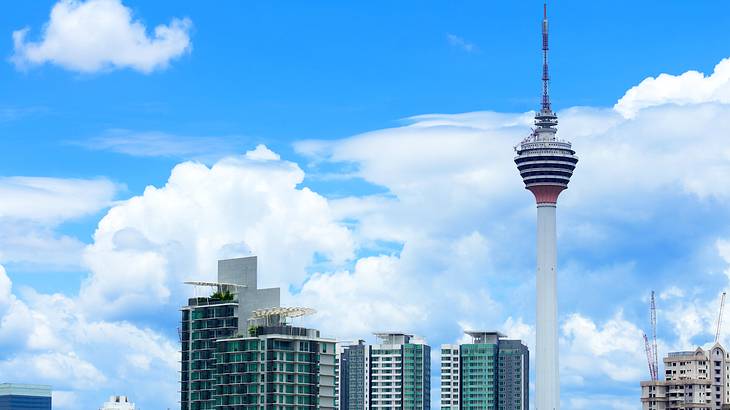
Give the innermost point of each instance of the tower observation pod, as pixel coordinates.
(546, 165)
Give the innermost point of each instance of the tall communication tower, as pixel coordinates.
(546, 165)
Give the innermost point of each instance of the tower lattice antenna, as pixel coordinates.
(545, 74)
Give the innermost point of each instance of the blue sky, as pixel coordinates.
(363, 151)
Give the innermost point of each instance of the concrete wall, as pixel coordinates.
(244, 271)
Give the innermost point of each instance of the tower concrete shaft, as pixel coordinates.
(546, 165)
(548, 379)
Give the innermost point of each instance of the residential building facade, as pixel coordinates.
(489, 373)
(400, 373)
(354, 377)
(277, 366)
(208, 319)
(450, 376)
(393, 374)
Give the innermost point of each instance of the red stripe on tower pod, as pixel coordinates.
(546, 194)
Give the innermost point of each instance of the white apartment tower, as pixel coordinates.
(698, 380)
(400, 377)
(450, 371)
(393, 374)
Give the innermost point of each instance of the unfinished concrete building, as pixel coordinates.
(698, 380)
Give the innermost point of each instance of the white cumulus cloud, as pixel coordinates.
(145, 247)
(613, 350)
(691, 87)
(93, 35)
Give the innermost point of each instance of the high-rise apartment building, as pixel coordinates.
(400, 373)
(354, 377)
(698, 380)
(221, 314)
(489, 373)
(25, 397)
(393, 374)
(276, 366)
(450, 377)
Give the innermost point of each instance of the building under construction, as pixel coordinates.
(697, 380)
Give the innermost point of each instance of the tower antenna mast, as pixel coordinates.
(545, 74)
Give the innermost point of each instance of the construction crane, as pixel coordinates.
(650, 358)
(719, 318)
(655, 359)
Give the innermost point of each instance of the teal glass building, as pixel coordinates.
(278, 367)
(25, 397)
(490, 373)
(222, 313)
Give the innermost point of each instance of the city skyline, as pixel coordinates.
(364, 154)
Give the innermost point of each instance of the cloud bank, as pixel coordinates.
(32, 210)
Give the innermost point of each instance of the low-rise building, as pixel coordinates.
(25, 396)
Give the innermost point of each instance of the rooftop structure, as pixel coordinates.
(238, 281)
(546, 165)
(393, 338)
(278, 315)
(118, 403)
(478, 336)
